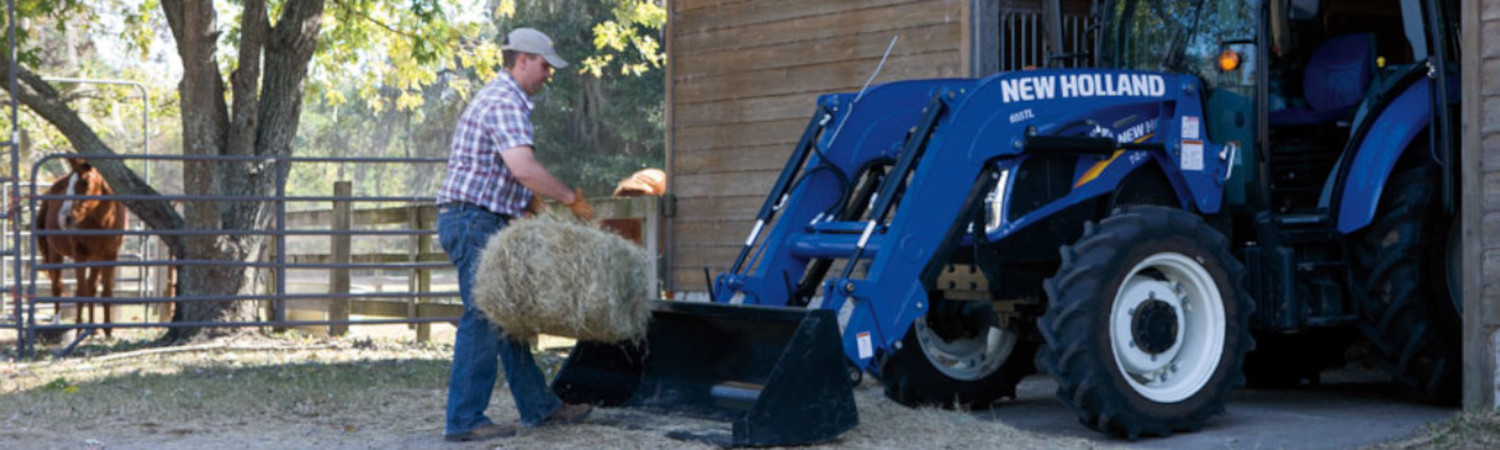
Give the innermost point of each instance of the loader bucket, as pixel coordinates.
(776, 375)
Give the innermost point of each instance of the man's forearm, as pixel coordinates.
(524, 166)
(546, 185)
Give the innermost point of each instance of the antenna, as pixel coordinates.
(864, 88)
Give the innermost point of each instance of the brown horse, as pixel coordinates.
(86, 214)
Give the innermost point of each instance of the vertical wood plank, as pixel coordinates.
(338, 279)
(413, 255)
(653, 245)
(426, 220)
(668, 200)
(1479, 346)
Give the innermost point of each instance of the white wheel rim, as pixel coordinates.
(1181, 370)
(966, 359)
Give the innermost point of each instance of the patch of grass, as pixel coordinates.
(1476, 430)
(340, 383)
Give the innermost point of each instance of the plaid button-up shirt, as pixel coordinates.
(498, 118)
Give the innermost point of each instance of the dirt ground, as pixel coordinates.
(362, 392)
(379, 389)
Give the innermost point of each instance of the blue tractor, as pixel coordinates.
(1222, 173)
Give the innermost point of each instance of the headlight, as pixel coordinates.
(996, 200)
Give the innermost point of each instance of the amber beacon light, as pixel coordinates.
(1229, 60)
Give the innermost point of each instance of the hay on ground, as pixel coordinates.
(551, 275)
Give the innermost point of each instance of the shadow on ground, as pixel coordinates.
(1353, 408)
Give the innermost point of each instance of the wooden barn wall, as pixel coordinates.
(1480, 23)
(743, 78)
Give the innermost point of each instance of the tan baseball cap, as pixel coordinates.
(528, 40)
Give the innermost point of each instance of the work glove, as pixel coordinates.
(581, 207)
(536, 208)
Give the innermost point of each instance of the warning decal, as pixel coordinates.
(866, 349)
(1192, 155)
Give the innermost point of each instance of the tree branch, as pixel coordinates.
(288, 53)
(245, 81)
(205, 118)
(245, 87)
(366, 16)
(173, 11)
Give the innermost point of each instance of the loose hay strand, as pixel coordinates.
(552, 275)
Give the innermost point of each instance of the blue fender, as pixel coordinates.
(1388, 137)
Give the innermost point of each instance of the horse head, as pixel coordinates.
(83, 179)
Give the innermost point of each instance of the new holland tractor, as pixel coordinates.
(1221, 172)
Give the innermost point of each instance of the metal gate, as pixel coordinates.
(21, 304)
(11, 248)
(276, 295)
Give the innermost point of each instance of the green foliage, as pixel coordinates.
(36, 16)
(140, 26)
(389, 79)
(402, 45)
(591, 129)
(633, 22)
(66, 41)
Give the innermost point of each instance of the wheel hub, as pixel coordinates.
(963, 353)
(1154, 326)
(1167, 327)
(956, 319)
(1148, 307)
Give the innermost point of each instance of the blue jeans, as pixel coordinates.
(464, 231)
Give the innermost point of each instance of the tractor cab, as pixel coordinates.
(1291, 83)
(1334, 67)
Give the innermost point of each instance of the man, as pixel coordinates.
(493, 177)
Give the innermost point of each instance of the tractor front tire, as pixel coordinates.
(1146, 326)
(1408, 311)
(973, 372)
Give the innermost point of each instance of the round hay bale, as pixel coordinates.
(551, 275)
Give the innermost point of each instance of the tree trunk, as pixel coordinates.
(205, 122)
(263, 123)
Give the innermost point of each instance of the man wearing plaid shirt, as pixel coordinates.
(493, 176)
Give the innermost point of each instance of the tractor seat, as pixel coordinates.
(1334, 82)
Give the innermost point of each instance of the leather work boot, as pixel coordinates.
(568, 414)
(482, 432)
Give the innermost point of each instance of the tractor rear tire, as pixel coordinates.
(968, 373)
(1147, 323)
(1408, 311)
